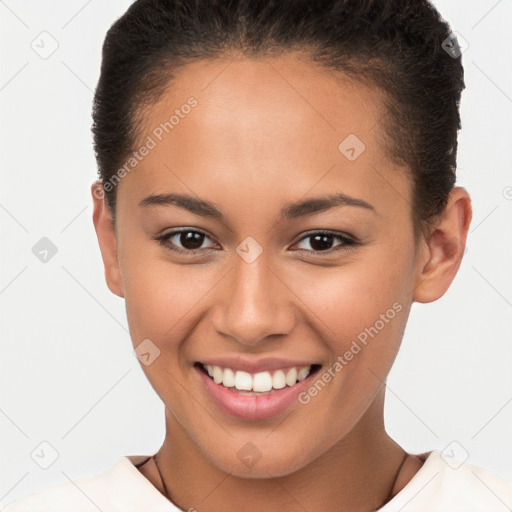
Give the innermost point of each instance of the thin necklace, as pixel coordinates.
(390, 495)
(167, 495)
(385, 501)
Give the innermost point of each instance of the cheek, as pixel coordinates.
(361, 303)
(163, 305)
(161, 297)
(146, 303)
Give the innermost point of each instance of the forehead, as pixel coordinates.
(269, 126)
(289, 94)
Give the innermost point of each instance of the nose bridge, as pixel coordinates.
(255, 303)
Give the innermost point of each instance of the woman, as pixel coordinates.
(277, 187)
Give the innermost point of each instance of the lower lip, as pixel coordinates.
(251, 407)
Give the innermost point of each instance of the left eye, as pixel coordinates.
(192, 240)
(321, 241)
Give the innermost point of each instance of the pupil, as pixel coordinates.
(191, 239)
(321, 242)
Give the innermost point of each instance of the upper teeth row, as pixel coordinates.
(262, 381)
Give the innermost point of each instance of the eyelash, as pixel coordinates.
(347, 241)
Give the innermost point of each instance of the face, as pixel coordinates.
(255, 281)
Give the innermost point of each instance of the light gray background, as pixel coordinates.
(68, 376)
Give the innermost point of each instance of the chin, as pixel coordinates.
(252, 463)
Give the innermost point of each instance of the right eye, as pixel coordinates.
(190, 240)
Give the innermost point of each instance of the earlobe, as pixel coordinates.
(443, 251)
(105, 232)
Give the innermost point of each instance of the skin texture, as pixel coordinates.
(265, 133)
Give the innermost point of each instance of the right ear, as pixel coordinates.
(105, 232)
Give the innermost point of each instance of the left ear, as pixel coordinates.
(444, 248)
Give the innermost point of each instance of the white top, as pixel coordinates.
(439, 486)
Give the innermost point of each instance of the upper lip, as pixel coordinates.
(256, 365)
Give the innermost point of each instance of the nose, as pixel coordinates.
(254, 304)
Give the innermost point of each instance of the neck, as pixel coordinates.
(358, 473)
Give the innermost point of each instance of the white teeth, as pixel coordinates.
(229, 378)
(243, 380)
(259, 382)
(218, 374)
(279, 380)
(291, 377)
(303, 373)
(262, 381)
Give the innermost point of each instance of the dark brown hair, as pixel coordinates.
(399, 46)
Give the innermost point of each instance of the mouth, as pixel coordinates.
(259, 384)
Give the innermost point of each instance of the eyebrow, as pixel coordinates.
(289, 211)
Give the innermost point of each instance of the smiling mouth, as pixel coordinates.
(258, 384)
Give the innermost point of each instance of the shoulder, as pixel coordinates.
(446, 484)
(88, 494)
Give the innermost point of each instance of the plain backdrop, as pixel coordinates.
(69, 378)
